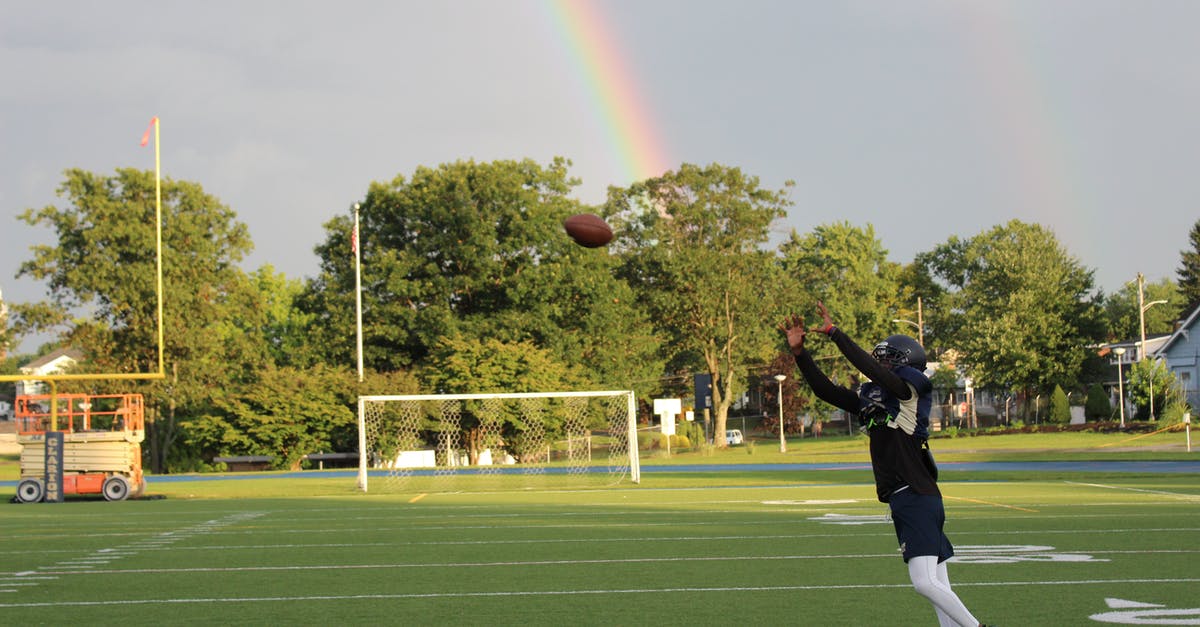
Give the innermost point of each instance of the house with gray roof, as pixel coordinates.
(1181, 352)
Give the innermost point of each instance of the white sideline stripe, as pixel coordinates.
(775, 508)
(756, 522)
(1137, 551)
(746, 521)
(956, 531)
(334, 545)
(512, 564)
(858, 504)
(537, 593)
(1178, 495)
(582, 540)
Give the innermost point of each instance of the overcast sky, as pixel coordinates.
(927, 119)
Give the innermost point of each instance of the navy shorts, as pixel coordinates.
(919, 519)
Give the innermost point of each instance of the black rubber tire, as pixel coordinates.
(116, 488)
(30, 491)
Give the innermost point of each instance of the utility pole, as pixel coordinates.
(920, 324)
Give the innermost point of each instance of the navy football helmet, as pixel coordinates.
(900, 350)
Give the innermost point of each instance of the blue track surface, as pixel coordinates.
(1147, 467)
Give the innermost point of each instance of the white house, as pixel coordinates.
(57, 361)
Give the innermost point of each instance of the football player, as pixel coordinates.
(892, 406)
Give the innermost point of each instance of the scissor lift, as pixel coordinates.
(102, 443)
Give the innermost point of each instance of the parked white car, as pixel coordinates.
(733, 436)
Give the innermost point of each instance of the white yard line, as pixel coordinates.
(102, 557)
(1177, 495)
(540, 563)
(563, 593)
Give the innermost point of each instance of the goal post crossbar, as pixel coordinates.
(622, 429)
(468, 397)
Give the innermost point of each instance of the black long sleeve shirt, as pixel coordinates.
(896, 456)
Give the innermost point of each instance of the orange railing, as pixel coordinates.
(35, 413)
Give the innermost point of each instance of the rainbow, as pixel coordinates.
(611, 88)
(1020, 102)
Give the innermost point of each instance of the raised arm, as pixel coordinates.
(861, 359)
(841, 397)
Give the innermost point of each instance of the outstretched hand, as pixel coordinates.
(793, 328)
(826, 322)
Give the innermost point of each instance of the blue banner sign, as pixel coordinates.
(54, 467)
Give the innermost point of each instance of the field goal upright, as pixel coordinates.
(442, 442)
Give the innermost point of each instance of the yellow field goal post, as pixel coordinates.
(51, 379)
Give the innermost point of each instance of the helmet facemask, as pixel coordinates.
(890, 356)
(900, 350)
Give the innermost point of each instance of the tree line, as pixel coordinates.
(470, 285)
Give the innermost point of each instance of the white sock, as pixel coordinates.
(932, 581)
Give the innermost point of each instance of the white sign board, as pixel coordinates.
(667, 409)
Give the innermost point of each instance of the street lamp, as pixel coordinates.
(920, 334)
(919, 325)
(1119, 352)
(782, 442)
(1142, 323)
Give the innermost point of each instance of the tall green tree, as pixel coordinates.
(6, 335)
(285, 325)
(797, 397)
(845, 267)
(1023, 309)
(477, 250)
(1151, 377)
(694, 251)
(286, 414)
(1098, 405)
(473, 365)
(1189, 270)
(101, 278)
(1060, 407)
(9, 365)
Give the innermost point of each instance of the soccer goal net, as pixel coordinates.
(445, 442)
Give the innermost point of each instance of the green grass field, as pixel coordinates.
(726, 547)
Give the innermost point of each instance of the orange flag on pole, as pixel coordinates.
(146, 135)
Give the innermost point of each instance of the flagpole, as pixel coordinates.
(158, 243)
(358, 291)
(362, 442)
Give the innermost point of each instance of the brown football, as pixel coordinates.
(588, 230)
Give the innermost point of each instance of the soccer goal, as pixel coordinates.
(444, 442)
